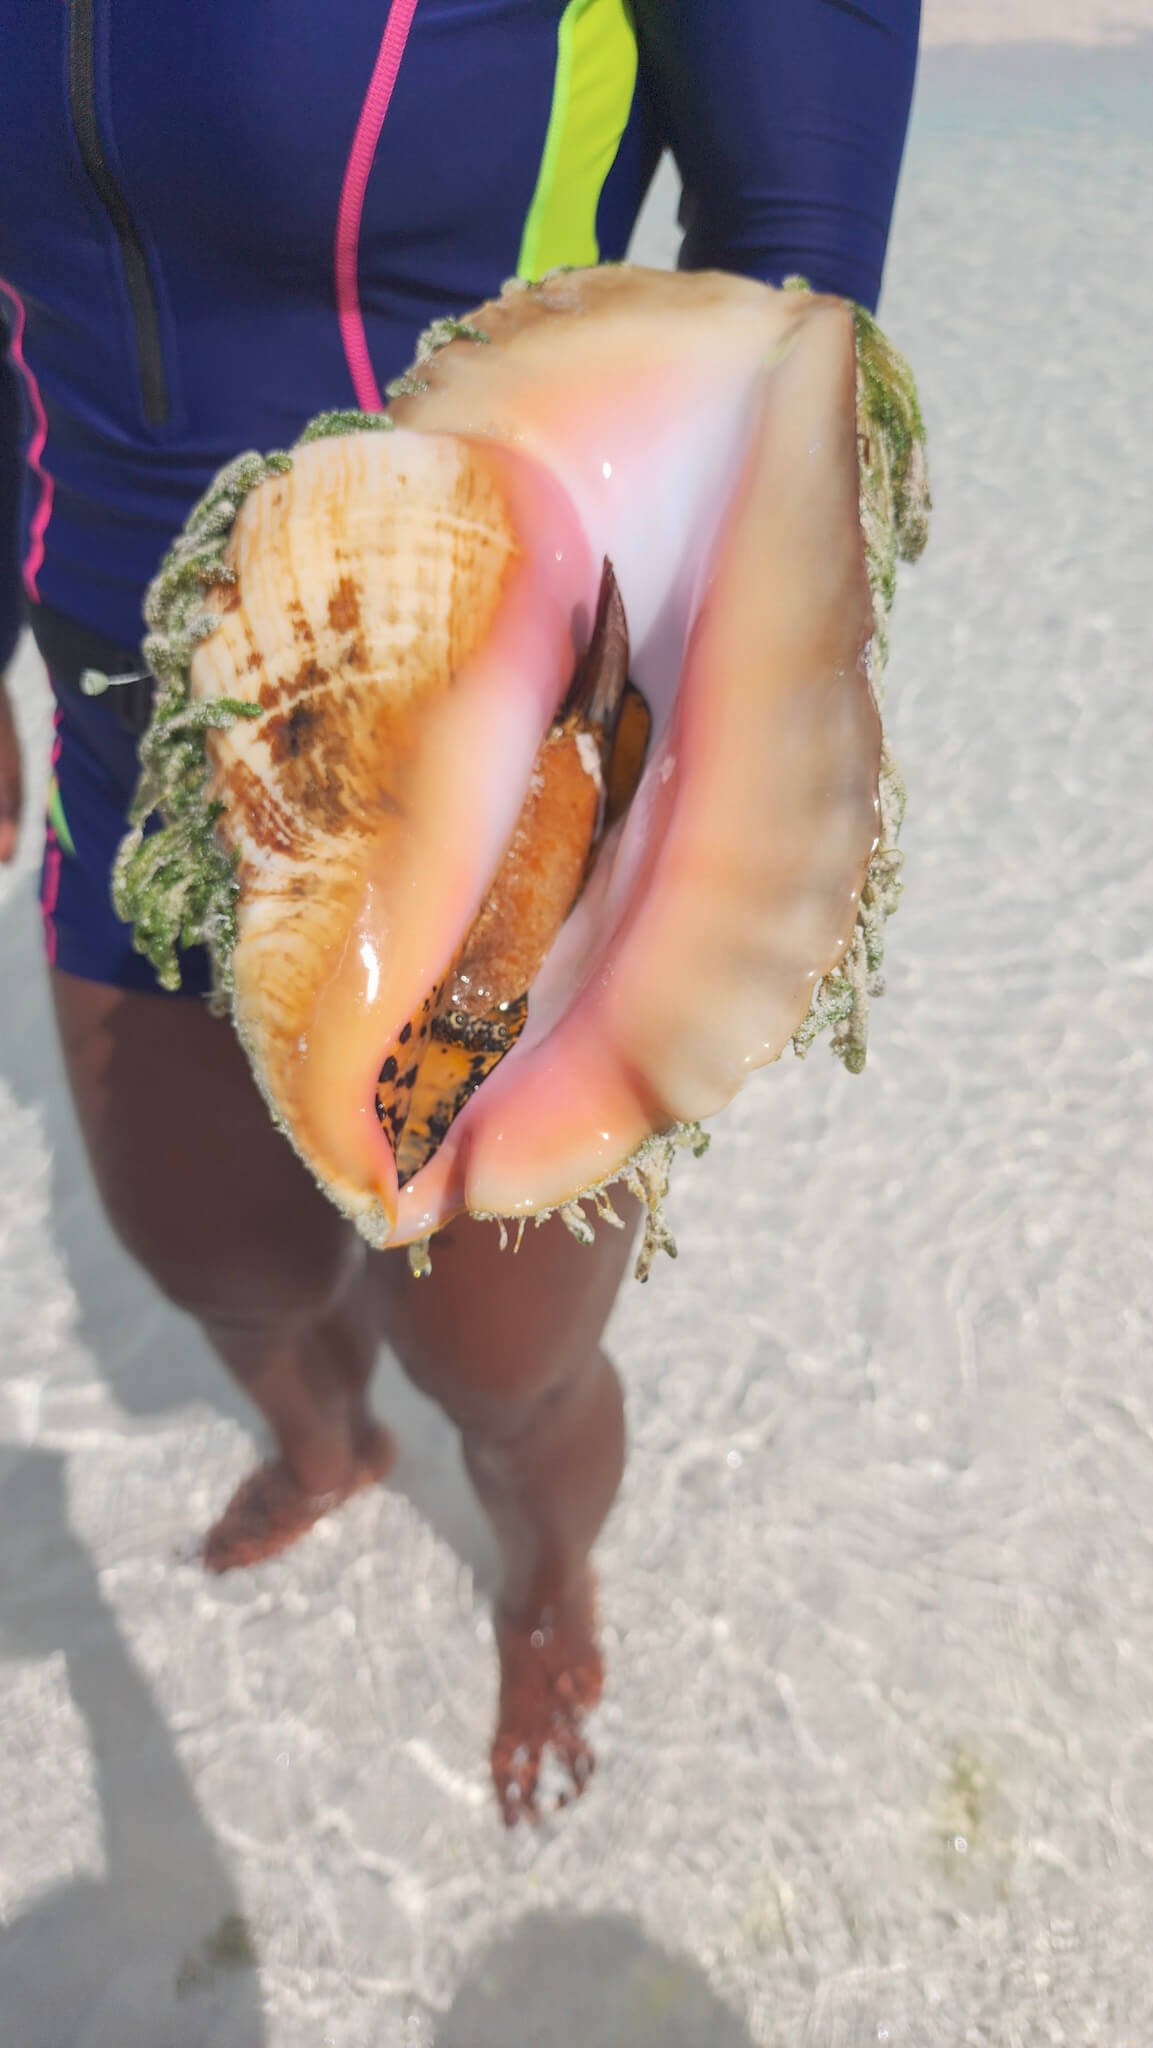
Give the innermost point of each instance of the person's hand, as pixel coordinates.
(11, 777)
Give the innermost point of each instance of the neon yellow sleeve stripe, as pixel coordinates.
(596, 74)
(57, 819)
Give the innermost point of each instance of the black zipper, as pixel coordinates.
(141, 294)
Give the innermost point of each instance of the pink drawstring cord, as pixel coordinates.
(372, 113)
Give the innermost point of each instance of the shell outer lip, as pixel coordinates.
(645, 1175)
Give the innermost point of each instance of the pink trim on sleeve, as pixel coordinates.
(35, 449)
(372, 113)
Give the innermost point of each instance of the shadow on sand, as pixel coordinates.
(156, 1950)
(562, 1981)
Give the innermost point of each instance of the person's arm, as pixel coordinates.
(10, 601)
(787, 119)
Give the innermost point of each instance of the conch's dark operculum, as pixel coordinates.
(465, 1029)
(594, 696)
(630, 747)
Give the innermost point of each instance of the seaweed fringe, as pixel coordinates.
(894, 515)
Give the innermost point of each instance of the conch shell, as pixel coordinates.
(544, 766)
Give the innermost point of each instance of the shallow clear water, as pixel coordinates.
(877, 1762)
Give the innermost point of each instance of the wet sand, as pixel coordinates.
(874, 1760)
(985, 22)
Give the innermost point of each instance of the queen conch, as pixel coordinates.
(517, 752)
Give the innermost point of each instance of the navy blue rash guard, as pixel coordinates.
(219, 219)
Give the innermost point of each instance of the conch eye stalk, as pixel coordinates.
(518, 754)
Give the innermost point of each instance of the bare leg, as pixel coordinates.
(209, 1198)
(509, 1345)
(311, 1384)
(211, 1201)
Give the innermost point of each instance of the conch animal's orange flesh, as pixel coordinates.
(482, 1010)
(544, 865)
(409, 610)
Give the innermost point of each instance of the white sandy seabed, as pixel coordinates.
(877, 1759)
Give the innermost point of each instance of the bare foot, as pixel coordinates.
(270, 1509)
(551, 1677)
